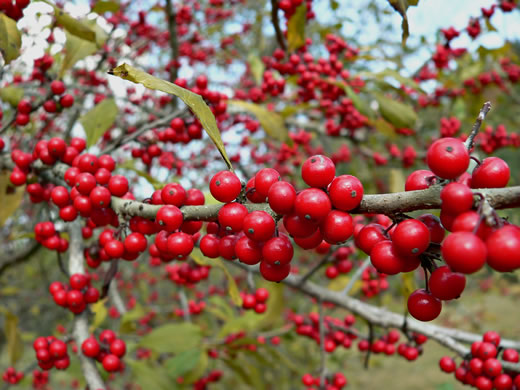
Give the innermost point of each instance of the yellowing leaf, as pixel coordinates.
(384, 127)
(200, 259)
(293, 109)
(127, 324)
(73, 26)
(401, 7)
(11, 95)
(173, 338)
(10, 38)
(359, 103)
(256, 66)
(100, 314)
(397, 180)
(407, 286)
(10, 197)
(12, 334)
(98, 120)
(272, 122)
(105, 6)
(296, 28)
(129, 164)
(192, 100)
(397, 113)
(339, 283)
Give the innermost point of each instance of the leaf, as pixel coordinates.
(12, 334)
(296, 28)
(384, 127)
(401, 6)
(334, 5)
(129, 164)
(293, 109)
(127, 324)
(183, 362)
(359, 103)
(10, 38)
(339, 283)
(256, 66)
(105, 6)
(394, 74)
(489, 26)
(173, 338)
(148, 377)
(272, 122)
(10, 196)
(247, 372)
(232, 285)
(77, 48)
(98, 120)
(397, 113)
(274, 314)
(100, 314)
(192, 100)
(397, 180)
(11, 95)
(199, 370)
(72, 25)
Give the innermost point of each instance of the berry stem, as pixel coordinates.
(476, 126)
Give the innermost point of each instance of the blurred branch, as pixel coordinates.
(17, 252)
(174, 45)
(276, 24)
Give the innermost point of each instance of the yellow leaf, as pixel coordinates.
(12, 334)
(100, 314)
(397, 113)
(10, 198)
(129, 164)
(192, 100)
(256, 67)
(98, 120)
(339, 283)
(272, 122)
(296, 28)
(105, 6)
(396, 180)
(232, 286)
(407, 286)
(384, 127)
(10, 38)
(11, 95)
(128, 320)
(73, 26)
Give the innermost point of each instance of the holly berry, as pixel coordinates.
(411, 237)
(264, 179)
(445, 284)
(318, 171)
(346, 192)
(281, 197)
(337, 227)
(493, 172)
(423, 306)
(312, 204)
(456, 198)
(464, 252)
(503, 248)
(231, 217)
(448, 158)
(259, 225)
(278, 251)
(225, 186)
(169, 218)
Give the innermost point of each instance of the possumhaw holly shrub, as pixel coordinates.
(206, 187)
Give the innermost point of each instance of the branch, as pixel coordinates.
(377, 316)
(116, 299)
(80, 325)
(356, 276)
(16, 252)
(323, 356)
(276, 24)
(476, 126)
(174, 46)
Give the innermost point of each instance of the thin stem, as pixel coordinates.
(174, 45)
(476, 126)
(356, 276)
(315, 268)
(323, 357)
(276, 24)
(370, 342)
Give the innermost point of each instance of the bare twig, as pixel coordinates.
(315, 268)
(476, 126)
(174, 45)
(276, 24)
(356, 276)
(323, 356)
(184, 304)
(115, 298)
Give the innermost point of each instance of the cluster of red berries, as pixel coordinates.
(202, 383)
(12, 376)
(194, 308)
(45, 233)
(386, 345)
(75, 296)
(109, 350)
(51, 352)
(14, 10)
(335, 381)
(341, 263)
(40, 379)
(483, 370)
(256, 301)
(315, 217)
(187, 274)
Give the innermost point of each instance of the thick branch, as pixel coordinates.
(172, 30)
(80, 325)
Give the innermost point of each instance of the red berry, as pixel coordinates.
(493, 172)
(264, 179)
(85, 182)
(169, 217)
(411, 237)
(448, 158)
(447, 364)
(180, 245)
(225, 186)
(503, 248)
(318, 171)
(209, 246)
(78, 281)
(433, 223)
(278, 251)
(194, 197)
(118, 185)
(298, 226)
(369, 236)
(445, 284)
(111, 363)
(114, 249)
(56, 147)
(67, 100)
(386, 259)
(173, 194)
(346, 192)
(464, 252)
(419, 180)
(135, 242)
(337, 227)
(60, 196)
(248, 251)
(259, 225)
(100, 197)
(231, 216)
(58, 349)
(273, 272)
(90, 347)
(456, 198)
(57, 87)
(118, 347)
(281, 197)
(423, 306)
(261, 295)
(312, 204)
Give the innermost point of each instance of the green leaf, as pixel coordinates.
(395, 75)
(148, 377)
(182, 363)
(247, 372)
(397, 113)
(296, 28)
(256, 66)
(232, 285)
(384, 127)
(98, 120)
(10, 38)
(359, 103)
(12, 334)
(272, 122)
(293, 109)
(11, 95)
(77, 48)
(199, 370)
(72, 25)
(173, 338)
(128, 319)
(105, 6)
(129, 164)
(11, 197)
(401, 6)
(100, 314)
(273, 316)
(334, 5)
(192, 100)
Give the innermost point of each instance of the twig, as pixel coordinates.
(356, 276)
(184, 304)
(115, 298)
(476, 126)
(8, 124)
(61, 265)
(315, 268)
(323, 357)
(370, 342)
(109, 276)
(276, 24)
(174, 45)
